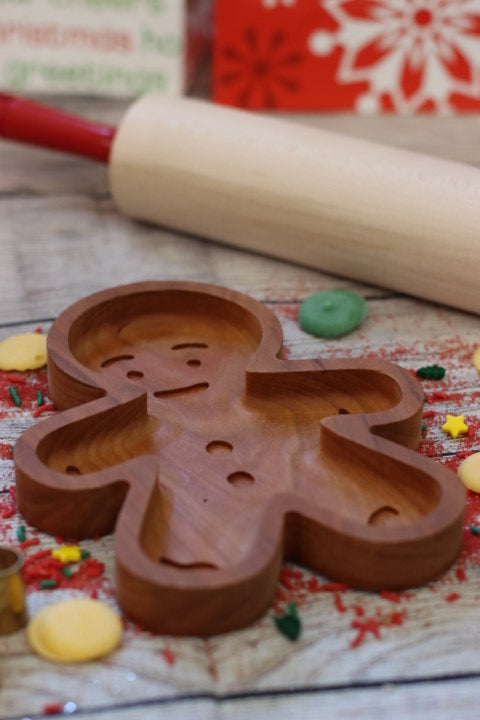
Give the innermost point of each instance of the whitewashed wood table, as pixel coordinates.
(360, 655)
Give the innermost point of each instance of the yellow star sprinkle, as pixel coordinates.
(67, 553)
(455, 425)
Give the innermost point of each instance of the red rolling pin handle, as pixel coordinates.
(36, 124)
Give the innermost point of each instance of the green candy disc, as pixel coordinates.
(332, 313)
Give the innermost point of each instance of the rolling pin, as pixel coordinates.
(375, 214)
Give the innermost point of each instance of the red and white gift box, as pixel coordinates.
(367, 56)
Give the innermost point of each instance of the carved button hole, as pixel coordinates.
(194, 363)
(115, 359)
(134, 374)
(218, 445)
(382, 516)
(72, 470)
(241, 478)
(343, 411)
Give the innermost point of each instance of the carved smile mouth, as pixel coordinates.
(186, 390)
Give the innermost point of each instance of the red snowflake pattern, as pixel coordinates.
(367, 55)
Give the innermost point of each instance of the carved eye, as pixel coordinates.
(183, 346)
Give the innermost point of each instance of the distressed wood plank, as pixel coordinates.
(428, 699)
(55, 250)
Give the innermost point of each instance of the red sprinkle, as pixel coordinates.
(8, 513)
(52, 709)
(168, 655)
(364, 626)
(290, 573)
(16, 379)
(437, 395)
(396, 618)
(452, 597)
(36, 556)
(460, 573)
(43, 408)
(92, 568)
(29, 543)
(38, 330)
(333, 587)
(287, 582)
(429, 413)
(393, 597)
(339, 604)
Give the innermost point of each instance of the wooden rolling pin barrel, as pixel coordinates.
(372, 213)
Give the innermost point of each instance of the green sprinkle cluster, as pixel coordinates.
(431, 372)
(289, 623)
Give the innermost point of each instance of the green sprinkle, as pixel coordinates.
(67, 571)
(14, 395)
(12, 448)
(86, 554)
(39, 397)
(475, 529)
(21, 533)
(47, 584)
(424, 427)
(289, 623)
(431, 372)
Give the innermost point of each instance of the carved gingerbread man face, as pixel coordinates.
(213, 458)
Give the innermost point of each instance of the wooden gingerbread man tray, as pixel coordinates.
(212, 458)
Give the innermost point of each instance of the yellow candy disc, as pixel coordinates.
(476, 359)
(469, 472)
(23, 352)
(75, 631)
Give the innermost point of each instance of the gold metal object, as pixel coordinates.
(13, 615)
